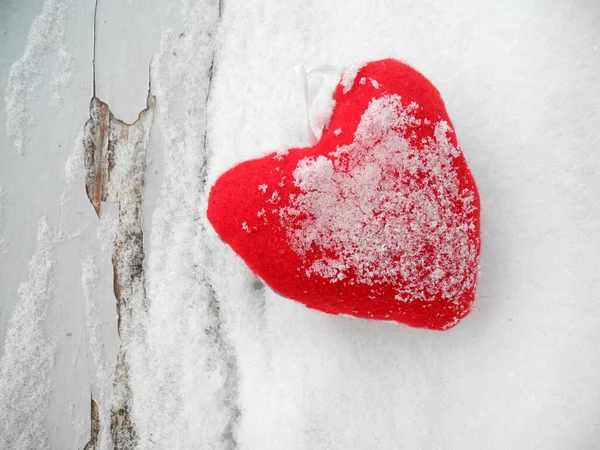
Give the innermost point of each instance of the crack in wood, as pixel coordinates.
(115, 163)
(94, 51)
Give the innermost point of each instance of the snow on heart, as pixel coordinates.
(379, 210)
(379, 219)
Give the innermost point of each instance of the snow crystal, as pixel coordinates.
(62, 74)
(362, 81)
(374, 83)
(337, 131)
(74, 167)
(47, 33)
(379, 204)
(263, 188)
(29, 352)
(107, 228)
(274, 198)
(279, 154)
(349, 76)
(74, 173)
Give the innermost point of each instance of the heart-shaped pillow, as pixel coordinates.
(380, 219)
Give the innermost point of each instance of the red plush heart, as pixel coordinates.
(380, 219)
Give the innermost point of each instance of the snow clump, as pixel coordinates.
(381, 211)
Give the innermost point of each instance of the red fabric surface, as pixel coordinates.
(265, 245)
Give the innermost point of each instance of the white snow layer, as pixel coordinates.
(226, 363)
(178, 373)
(28, 355)
(46, 37)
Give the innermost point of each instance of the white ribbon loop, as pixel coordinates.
(311, 92)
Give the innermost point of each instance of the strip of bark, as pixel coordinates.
(95, 427)
(115, 163)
